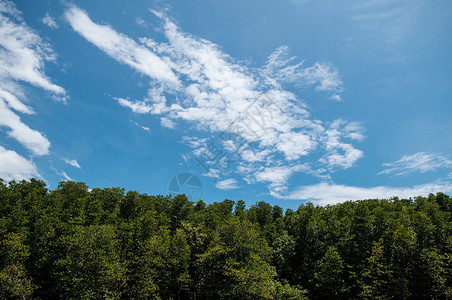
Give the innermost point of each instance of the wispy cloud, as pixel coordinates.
(281, 67)
(419, 162)
(31, 139)
(72, 162)
(24, 54)
(14, 103)
(257, 123)
(227, 184)
(120, 47)
(168, 123)
(391, 19)
(65, 176)
(140, 22)
(142, 127)
(49, 21)
(325, 193)
(139, 107)
(22, 58)
(15, 167)
(339, 154)
(277, 176)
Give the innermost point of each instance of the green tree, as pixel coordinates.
(376, 275)
(330, 275)
(15, 283)
(236, 264)
(92, 267)
(164, 268)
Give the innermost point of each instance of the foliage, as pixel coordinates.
(77, 243)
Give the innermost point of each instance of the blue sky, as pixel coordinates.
(281, 101)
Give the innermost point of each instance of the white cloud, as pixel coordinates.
(419, 162)
(353, 130)
(227, 184)
(140, 22)
(15, 103)
(277, 177)
(254, 156)
(195, 142)
(31, 139)
(23, 55)
(143, 127)
(15, 167)
(323, 76)
(66, 176)
(340, 154)
(138, 107)
(9, 8)
(22, 58)
(120, 47)
(167, 123)
(255, 121)
(72, 162)
(49, 21)
(324, 193)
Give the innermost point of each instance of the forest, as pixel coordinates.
(78, 243)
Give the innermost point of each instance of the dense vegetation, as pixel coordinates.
(105, 243)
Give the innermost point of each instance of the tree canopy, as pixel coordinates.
(76, 243)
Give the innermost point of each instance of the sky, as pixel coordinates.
(283, 101)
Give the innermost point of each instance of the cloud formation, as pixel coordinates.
(227, 184)
(49, 21)
(15, 167)
(120, 47)
(22, 57)
(419, 162)
(72, 162)
(23, 54)
(389, 19)
(143, 127)
(66, 177)
(33, 140)
(258, 125)
(281, 67)
(324, 193)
